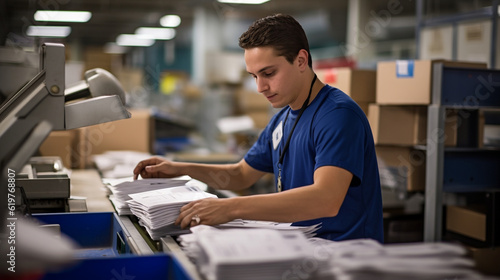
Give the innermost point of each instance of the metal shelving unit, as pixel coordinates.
(460, 169)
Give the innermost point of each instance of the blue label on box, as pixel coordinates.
(404, 68)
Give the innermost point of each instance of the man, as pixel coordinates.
(319, 147)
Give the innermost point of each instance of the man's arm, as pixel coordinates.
(234, 177)
(321, 199)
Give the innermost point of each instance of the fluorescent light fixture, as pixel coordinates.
(157, 33)
(170, 21)
(133, 40)
(48, 31)
(254, 2)
(113, 48)
(63, 16)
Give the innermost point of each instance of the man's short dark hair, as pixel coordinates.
(279, 31)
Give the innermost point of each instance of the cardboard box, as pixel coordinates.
(62, 144)
(409, 82)
(398, 125)
(260, 118)
(94, 57)
(468, 221)
(131, 79)
(402, 167)
(486, 259)
(474, 41)
(436, 42)
(407, 125)
(251, 101)
(224, 67)
(364, 106)
(134, 134)
(357, 83)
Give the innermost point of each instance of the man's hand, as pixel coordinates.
(156, 167)
(210, 211)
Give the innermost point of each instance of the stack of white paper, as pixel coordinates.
(247, 253)
(118, 164)
(122, 191)
(308, 231)
(158, 233)
(158, 209)
(361, 259)
(274, 254)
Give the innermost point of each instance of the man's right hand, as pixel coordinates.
(155, 167)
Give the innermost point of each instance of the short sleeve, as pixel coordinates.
(260, 154)
(340, 141)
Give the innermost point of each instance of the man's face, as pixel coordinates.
(276, 78)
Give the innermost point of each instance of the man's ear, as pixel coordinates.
(302, 59)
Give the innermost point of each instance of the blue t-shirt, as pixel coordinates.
(333, 131)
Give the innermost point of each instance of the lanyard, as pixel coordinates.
(282, 153)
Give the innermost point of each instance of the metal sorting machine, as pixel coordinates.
(33, 102)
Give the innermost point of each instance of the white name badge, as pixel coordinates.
(277, 135)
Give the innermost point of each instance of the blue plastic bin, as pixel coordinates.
(104, 251)
(98, 234)
(159, 266)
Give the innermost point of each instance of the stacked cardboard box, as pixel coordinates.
(486, 259)
(476, 223)
(94, 57)
(469, 221)
(76, 146)
(409, 82)
(255, 105)
(359, 84)
(399, 117)
(403, 166)
(134, 134)
(63, 144)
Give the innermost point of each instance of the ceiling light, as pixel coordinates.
(255, 2)
(48, 31)
(62, 16)
(133, 40)
(170, 21)
(157, 33)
